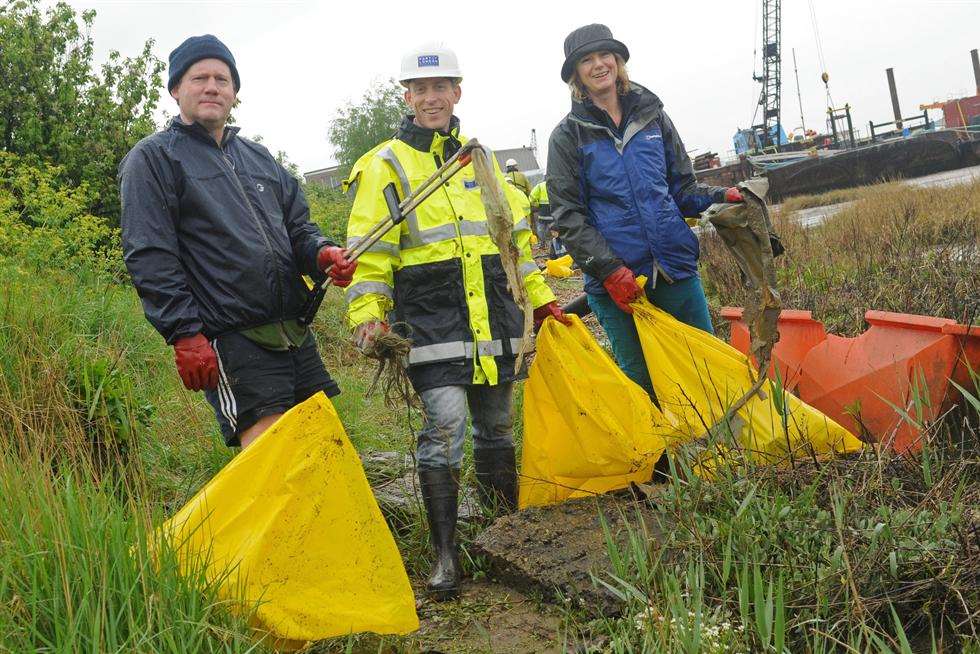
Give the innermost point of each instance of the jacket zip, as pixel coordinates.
(265, 236)
(462, 265)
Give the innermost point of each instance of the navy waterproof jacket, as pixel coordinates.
(215, 237)
(620, 198)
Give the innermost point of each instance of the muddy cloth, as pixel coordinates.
(620, 197)
(215, 237)
(747, 232)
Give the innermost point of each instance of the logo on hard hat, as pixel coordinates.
(428, 60)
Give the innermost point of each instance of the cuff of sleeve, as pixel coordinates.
(604, 271)
(719, 194)
(185, 330)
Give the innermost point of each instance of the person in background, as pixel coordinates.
(516, 177)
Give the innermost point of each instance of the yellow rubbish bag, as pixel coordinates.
(294, 518)
(697, 377)
(587, 428)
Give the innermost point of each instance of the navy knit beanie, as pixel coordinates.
(193, 50)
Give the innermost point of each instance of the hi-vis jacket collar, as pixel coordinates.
(424, 139)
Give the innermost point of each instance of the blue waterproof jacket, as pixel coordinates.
(619, 197)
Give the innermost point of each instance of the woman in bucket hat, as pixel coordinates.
(620, 184)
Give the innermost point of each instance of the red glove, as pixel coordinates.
(333, 261)
(197, 364)
(732, 194)
(550, 310)
(622, 287)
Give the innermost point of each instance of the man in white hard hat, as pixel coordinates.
(440, 274)
(517, 178)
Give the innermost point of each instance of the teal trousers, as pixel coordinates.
(684, 300)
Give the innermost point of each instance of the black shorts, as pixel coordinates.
(254, 382)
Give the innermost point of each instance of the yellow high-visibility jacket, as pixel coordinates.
(539, 200)
(439, 272)
(519, 180)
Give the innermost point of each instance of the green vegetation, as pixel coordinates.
(897, 248)
(359, 126)
(868, 554)
(55, 106)
(99, 442)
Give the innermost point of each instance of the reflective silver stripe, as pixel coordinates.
(473, 228)
(528, 268)
(490, 348)
(380, 246)
(363, 288)
(413, 238)
(521, 225)
(438, 352)
(515, 345)
(445, 233)
(428, 236)
(454, 350)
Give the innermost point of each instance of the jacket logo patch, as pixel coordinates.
(260, 187)
(428, 60)
(650, 137)
(469, 184)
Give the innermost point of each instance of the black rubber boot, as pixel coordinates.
(440, 492)
(496, 479)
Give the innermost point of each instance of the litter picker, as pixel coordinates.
(396, 214)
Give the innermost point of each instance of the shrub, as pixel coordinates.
(44, 221)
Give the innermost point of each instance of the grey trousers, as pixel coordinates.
(440, 441)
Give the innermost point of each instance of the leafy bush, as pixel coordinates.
(55, 106)
(44, 221)
(329, 208)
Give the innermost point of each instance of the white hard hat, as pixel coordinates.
(430, 60)
(511, 162)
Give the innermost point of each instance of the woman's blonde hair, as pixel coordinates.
(622, 80)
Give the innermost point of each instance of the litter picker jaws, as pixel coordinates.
(396, 214)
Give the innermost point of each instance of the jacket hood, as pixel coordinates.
(425, 139)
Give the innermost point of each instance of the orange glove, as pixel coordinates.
(197, 364)
(550, 310)
(622, 287)
(333, 261)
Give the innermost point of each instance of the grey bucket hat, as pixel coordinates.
(588, 39)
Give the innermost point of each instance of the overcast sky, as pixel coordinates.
(301, 60)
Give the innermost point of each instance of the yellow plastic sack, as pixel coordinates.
(295, 517)
(559, 268)
(697, 377)
(587, 428)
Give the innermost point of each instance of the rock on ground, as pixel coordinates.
(558, 550)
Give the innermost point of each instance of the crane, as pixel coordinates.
(769, 131)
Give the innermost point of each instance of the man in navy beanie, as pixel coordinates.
(216, 237)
